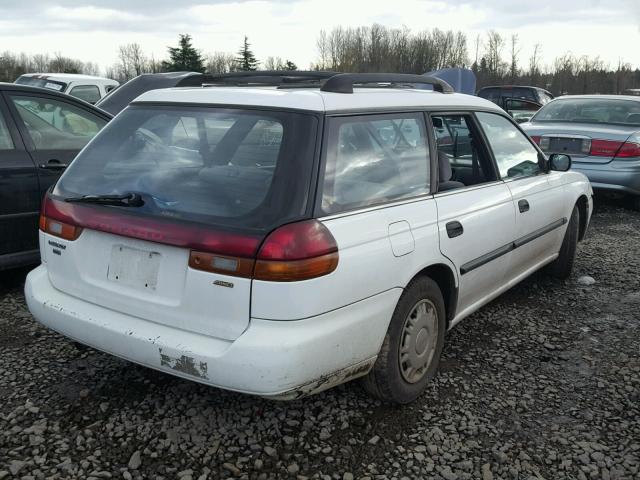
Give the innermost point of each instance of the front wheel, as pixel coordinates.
(562, 266)
(411, 349)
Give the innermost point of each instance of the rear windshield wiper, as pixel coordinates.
(125, 200)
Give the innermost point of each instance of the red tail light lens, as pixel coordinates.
(604, 148)
(536, 139)
(298, 251)
(628, 150)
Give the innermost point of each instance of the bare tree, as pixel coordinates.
(220, 62)
(534, 63)
(515, 51)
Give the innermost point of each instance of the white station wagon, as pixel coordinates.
(290, 232)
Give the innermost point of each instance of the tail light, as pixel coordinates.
(298, 251)
(611, 148)
(293, 252)
(536, 138)
(59, 229)
(54, 226)
(629, 149)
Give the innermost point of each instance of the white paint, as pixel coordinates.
(278, 338)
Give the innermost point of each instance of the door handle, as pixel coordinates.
(53, 164)
(523, 206)
(454, 229)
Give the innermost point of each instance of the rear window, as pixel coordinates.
(590, 110)
(88, 93)
(245, 168)
(42, 83)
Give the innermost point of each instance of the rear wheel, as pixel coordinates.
(562, 266)
(411, 349)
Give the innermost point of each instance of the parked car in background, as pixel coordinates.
(602, 135)
(520, 101)
(85, 87)
(41, 131)
(300, 232)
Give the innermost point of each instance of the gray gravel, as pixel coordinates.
(544, 383)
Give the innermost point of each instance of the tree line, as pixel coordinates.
(495, 59)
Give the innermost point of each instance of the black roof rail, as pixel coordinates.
(266, 77)
(343, 82)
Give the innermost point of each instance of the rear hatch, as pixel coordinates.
(162, 187)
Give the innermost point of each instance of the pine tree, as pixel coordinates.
(184, 58)
(289, 65)
(246, 60)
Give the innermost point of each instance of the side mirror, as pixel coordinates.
(559, 162)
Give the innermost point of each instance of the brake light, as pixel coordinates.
(629, 149)
(297, 251)
(536, 138)
(604, 148)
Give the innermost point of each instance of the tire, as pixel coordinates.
(562, 266)
(392, 380)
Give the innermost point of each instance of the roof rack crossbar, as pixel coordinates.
(343, 83)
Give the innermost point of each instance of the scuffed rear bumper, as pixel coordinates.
(621, 176)
(278, 359)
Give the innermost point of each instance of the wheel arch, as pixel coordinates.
(445, 278)
(583, 208)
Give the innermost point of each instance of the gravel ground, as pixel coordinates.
(543, 383)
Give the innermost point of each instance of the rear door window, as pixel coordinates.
(56, 125)
(374, 159)
(231, 167)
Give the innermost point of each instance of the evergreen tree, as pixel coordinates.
(246, 60)
(184, 57)
(289, 65)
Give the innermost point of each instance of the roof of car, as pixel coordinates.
(68, 77)
(313, 99)
(15, 87)
(599, 97)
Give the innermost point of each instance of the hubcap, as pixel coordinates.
(418, 341)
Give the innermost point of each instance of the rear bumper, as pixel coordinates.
(621, 176)
(279, 359)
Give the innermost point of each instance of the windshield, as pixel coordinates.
(42, 83)
(244, 168)
(590, 110)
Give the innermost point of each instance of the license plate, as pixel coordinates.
(133, 267)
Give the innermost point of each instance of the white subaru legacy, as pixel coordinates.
(279, 234)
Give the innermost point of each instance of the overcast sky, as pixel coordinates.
(91, 30)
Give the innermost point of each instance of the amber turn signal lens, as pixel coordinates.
(59, 229)
(212, 262)
(295, 270)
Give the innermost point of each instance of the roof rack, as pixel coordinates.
(327, 81)
(343, 83)
(278, 78)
